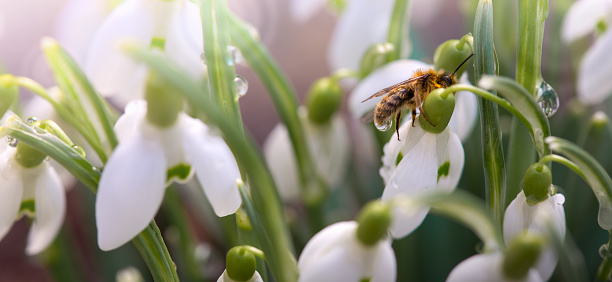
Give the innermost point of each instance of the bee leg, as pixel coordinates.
(397, 120)
(413, 116)
(425, 116)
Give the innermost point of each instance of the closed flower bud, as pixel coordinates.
(438, 109)
(240, 263)
(374, 221)
(451, 53)
(8, 92)
(324, 99)
(537, 182)
(375, 57)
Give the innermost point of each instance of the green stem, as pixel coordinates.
(564, 161)
(60, 260)
(399, 30)
(531, 17)
(605, 269)
(485, 63)
(151, 246)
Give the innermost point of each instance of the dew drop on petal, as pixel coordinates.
(235, 56)
(603, 250)
(384, 126)
(547, 99)
(242, 86)
(32, 120)
(203, 58)
(12, 141)
(532, 201)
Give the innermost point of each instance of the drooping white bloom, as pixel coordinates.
(133, 181)
(464, 116)
(485, 268)
(581, 19)
(521, 218)
(225, 278)
(329, 148)
(36, 192)
(420, 162)
(335, 254)
(175, 24)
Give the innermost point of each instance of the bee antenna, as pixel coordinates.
(464, 61)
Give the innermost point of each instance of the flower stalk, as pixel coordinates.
(399, 30)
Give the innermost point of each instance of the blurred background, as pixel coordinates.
(301, 51)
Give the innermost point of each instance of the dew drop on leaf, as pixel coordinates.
(547, 99)
(12, 141)
(242, 86)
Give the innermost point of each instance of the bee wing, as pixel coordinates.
(387, 90)
(369, 117)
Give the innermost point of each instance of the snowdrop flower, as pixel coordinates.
(30, 187)
(582, 19)
(464, 116)
(485, 268)
(241, 265)
(173, 25)
(147, 159)
(521, 218)
(336, 254)
(329, 148)
(77, 24)
(225, 278)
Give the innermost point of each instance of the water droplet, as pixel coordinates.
(552, 190)
(241, 85)
(12, 141)
(548, 99)
(531, 201)
(79, 150)
(384, 126)
(603, 250)
(203, 58)
(32, 120)
(235, 57)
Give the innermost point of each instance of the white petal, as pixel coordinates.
(485, 268)
(330, 147)
(184, 43)
(387, 75)
(11, 192)
(281, 161)
(385, 268)
(107, 67)
(466, 111)
(423, 156)
(50, 202)
(77, 23)
(324, 240)
(362, 24)
(133, 89)
(130, 192)
(128, 124)
(582, 17)
(303, 10)
(594, 83)
(225, 278)
(214, 165)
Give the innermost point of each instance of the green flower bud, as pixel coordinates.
(374, 221)
(27, 156)
(375, 57)
(438, 109)
(163, 103)
(450, 54)
(537, 182)
(521, 255)
(240, 263)
(8, 92)
(324, 99)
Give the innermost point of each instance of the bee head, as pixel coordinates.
(447, 80)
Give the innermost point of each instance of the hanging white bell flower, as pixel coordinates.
(225, 278)
(464, 116)
(522, 217)
(329, 147)
(35, 191)
(581, 19)
(420, 162)
(335, 254)
(485, 268)
(147, 159)
(175, 25)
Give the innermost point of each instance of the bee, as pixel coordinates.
(409, 94)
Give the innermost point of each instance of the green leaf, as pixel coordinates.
(593, 173)
(399, 30)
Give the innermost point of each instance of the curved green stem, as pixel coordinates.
(605, 269)
(398, 30)
(564, 161)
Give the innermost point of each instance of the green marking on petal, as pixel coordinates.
(400, 156)
(179, 172)
(157, 42)
(443, 170)
(27, 207)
